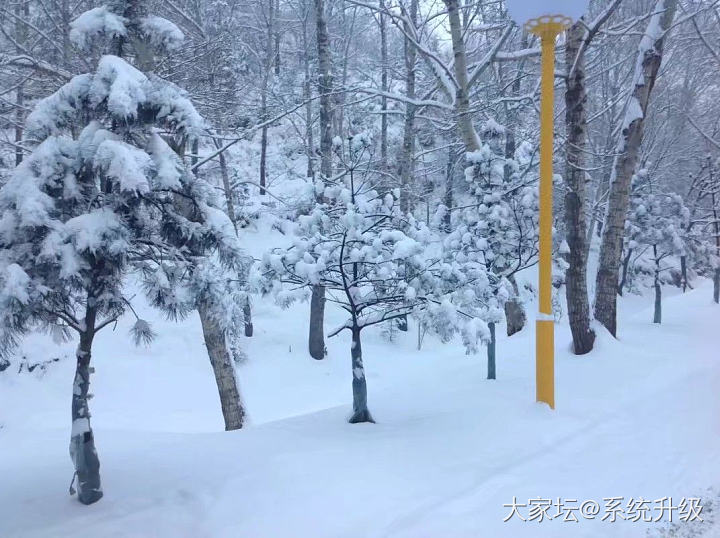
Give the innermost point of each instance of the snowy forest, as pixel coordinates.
(285, 254)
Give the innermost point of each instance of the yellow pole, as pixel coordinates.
(545, 325)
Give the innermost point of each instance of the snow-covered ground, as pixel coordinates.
(638, 417)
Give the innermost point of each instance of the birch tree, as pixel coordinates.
(649, 58)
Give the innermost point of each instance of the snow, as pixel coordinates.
(121, 84)
(99, 229)
(126, 164)
(632, 113)
(441, 461)
(167, 163)
(52, 113)
(80, 426)
(635, 417)
(162, 33)
(521, 11)
(16, 283)
(96, 22)
(50, 160)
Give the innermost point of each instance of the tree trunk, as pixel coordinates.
(309, 142)
(19, 122)
(82, 441)
(649, 60)
(230, 206)
(359, 385)
(268, 68)
(232, 408)
(247, 315)
(277, 39)
(325, 87)
(22, 11)
(448, 199)
(683, 273)
(407, 157)
(491, 352)
(316, 339)
(625, 268)
(657, 318)
(263, 150)
(384, 88)
(462, 96)
(227, 187)
(658, 303)
(515, 316)
(716, 276)
(575, 182)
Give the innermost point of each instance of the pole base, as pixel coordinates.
(545, 362)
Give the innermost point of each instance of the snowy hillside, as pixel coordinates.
(636, 417)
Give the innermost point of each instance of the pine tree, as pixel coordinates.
(655, 230)
(372, 260)
(493, 238)
(104, 196)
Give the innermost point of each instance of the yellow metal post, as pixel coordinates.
(547, 28)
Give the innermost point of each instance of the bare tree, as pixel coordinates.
(649, 58)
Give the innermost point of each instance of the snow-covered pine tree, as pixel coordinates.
(372, 260)
(494, 234)
(654, 228)
(104, 195)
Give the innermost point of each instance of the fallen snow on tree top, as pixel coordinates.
(522, 11)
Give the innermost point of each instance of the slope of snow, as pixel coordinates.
(636, 417)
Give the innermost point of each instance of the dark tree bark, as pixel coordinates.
(267, 69)
(359, 385)
(683, 273)
(625, 268)
(716, 275)
(20, 104)
(277, 39)
(309, 139)
(578, 303)
(325, 88)
(247, 314)
(448, 199)
(230, 402)
(384, 88)
(624, 167)
(82, 440)
(263, 150)
(657, 317)
(515, 316)
(316, 338)
(22, 10)
(407, 157)
(491, 352)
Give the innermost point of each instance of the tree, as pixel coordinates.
(316, 337)
(655, 223)
(370, 258)
(104, 196)
(579, 37)
(494, 236)
(649, 58)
